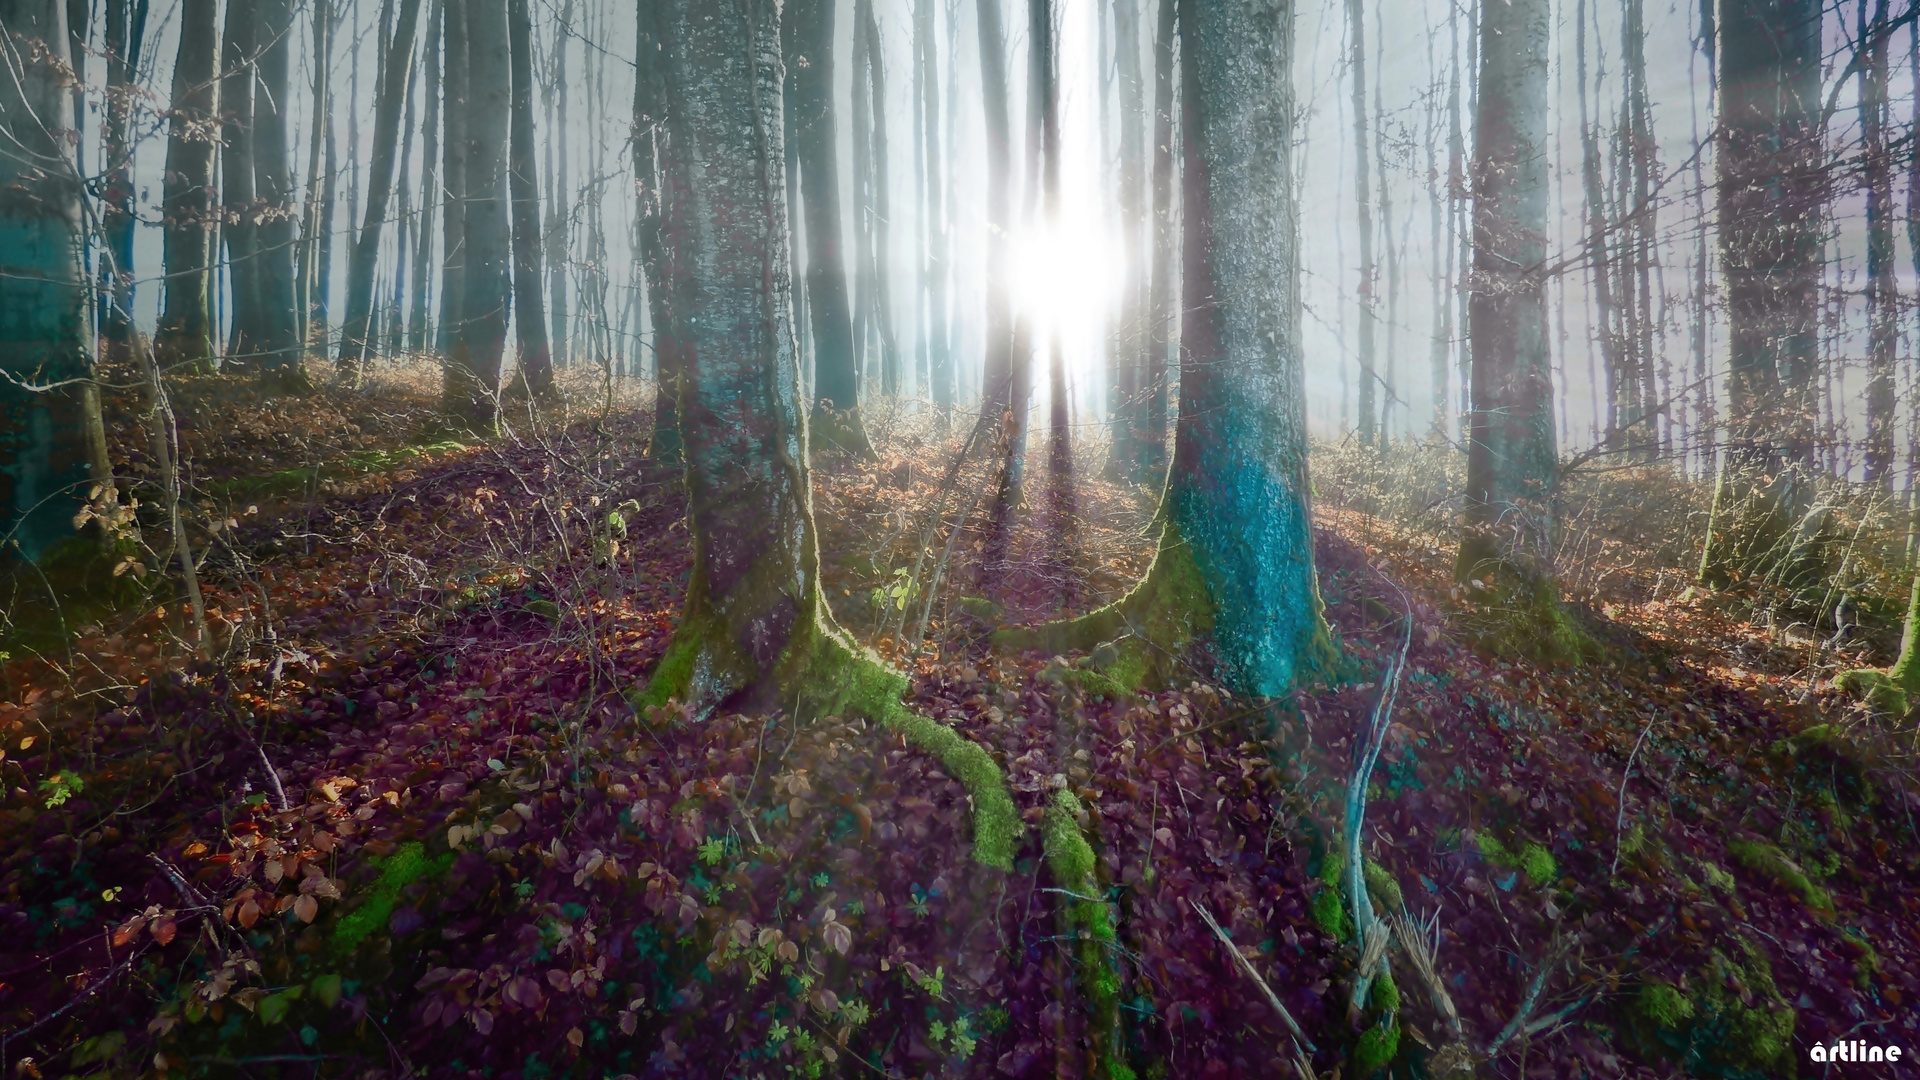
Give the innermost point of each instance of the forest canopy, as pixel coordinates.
(1085, 538)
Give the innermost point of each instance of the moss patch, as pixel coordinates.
(1768, 861)
(1533, 859)
(397, 871)
(1378, 1045)
(1070, 859)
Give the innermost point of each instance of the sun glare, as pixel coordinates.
(1066, 278)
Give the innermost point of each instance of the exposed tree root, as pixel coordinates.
(1515, 610)
(824, 670)
(1897, 689)
(1140, 640)
(1087, 919)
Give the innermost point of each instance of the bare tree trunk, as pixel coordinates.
(474, 368)
(356, 339)
(1363, 214)
(310, 223)
(559, 192)
(891, 381)
(125, 32)
(277, 322)
(405, 224)
(429, 184)
(1512, 467)
(453, 202)
(238, 204)
(649, 137)
(530, 315)
(1134, 438)
(836, 378)
(997, 377)
(1883, 297)
(185, 334)
(1160, 289)
(1389, 383)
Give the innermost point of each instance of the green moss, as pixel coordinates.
(1717, 878)
(1069, 855)
(1386, 993)
(1382, 888)
(1516, 611)
(1329, 914)
(397, 871)
(1664, 1005)
(1377, 1047)
(672, 676)
(1070, 859)
(1533, 859)
(1768, 861)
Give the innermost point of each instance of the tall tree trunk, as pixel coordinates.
(1770, 200)
(836, 375)
(310, 224)
(530, 313)
(1134, 355)
(356, 338)
(185, 335)
(1441, 346)
(1883, 297)
(1235, 559)
(46, 437)
(239, 209)
(1389, 378)
(125, 31)
(891, 381)
(474, 368)
(860, 119)
(405, 224)
(935, 271)
(559, 191)
(429, 184)
(997, 376)
(1512, 469)
(1363, 214)
(649, 138)
(276, 324)
(1160, 288)
(453, 201)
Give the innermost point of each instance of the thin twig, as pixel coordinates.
(1247, 966)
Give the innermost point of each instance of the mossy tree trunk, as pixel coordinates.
(1235, 564)
(45, 431)
(184, 335)
(1512, 469)
(755, 629)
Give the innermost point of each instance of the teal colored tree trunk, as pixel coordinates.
(46, 390)
(1233, 580)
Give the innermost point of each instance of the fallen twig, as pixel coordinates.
(1247, 966)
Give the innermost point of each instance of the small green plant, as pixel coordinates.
(61, 786)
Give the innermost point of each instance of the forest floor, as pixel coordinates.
(400, 819)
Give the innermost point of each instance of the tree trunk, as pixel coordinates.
(836, 375)
(559, 191)
(307, 269)
(1512, 469)
(1363, 214)
(1883, 298)
(530, 314)
(649, 138)
(184, 336)
(1160, 289)
(1235, 561)
(934, 272)
(453, 203)
(126, 29)
(997, 376)
(1134, 353)
(356, 338)
(1599, 261)
(239, 209)
(45, 436)
(405, 224)
(429, 184)
(474, 368)
(277, 319)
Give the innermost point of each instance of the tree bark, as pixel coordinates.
(310, 224)
(836, 375)
(1135, 347)
(453, 203)
(277, 320)
(45, 434)
(559, 191)
(429, 184)
(125, 32)
(356, 337)
(997, 373)
(1512, 468)
(474, 368)
(1160, 288)
(649, 138)
(184, 336)
(239, 211)
(1363, 214)
(530, 314)
(1883, 298)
